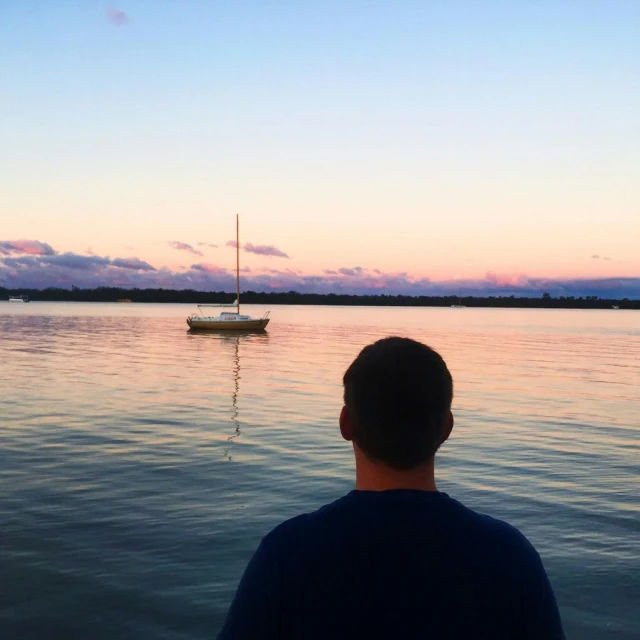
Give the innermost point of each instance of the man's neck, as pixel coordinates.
(373, 476)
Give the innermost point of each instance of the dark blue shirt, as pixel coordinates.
(394, 564)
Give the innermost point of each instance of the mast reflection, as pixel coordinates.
(234, 395)
(236, 339)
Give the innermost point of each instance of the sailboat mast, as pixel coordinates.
(238, 261)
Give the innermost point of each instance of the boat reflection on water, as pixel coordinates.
(234, 339)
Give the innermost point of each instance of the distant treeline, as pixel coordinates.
(111, 294)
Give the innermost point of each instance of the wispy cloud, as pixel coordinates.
(209, 268)
(28, 247)
(353, 271)
(264, 250)
(183, 246)
(117, 17)
(595, 256)
(71, 260)
(209, 245)
(132, 263)
(259, 249)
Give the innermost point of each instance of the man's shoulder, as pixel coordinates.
(303, 522)
(303, 526)
(496, 538)
(458, 523)
(486, 523)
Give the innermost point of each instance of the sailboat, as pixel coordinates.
(459, 305)
(228, 320)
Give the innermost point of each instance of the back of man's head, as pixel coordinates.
(398, 393)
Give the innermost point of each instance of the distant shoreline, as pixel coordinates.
(110, 294)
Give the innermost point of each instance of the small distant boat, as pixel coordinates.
(18, 298)
(124, 300)
(227, 320)
(615, 306)
(458, 306)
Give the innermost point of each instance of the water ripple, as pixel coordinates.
(141, 464)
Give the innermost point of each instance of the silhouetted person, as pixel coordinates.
(395, 558)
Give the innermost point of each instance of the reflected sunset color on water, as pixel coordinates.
(141, 464)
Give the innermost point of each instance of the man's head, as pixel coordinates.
(397, 397)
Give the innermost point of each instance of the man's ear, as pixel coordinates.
(346, 425)
(448, 428)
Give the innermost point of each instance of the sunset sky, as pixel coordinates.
(387, 145)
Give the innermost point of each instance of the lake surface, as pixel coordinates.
(140, 465)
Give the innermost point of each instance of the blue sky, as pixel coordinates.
(447, 142)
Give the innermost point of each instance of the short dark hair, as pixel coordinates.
(398, 393)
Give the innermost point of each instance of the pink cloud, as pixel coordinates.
(209, 268)
(117, 17)
(132, 263)
(506, 279)
(209, 245)
(264, 250)
(259, 249)
(26, 247)
(183, 246)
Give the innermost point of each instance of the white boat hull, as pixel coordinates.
(213, 324)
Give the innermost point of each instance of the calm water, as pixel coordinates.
(140, 465)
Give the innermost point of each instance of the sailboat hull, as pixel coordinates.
(213, 324)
